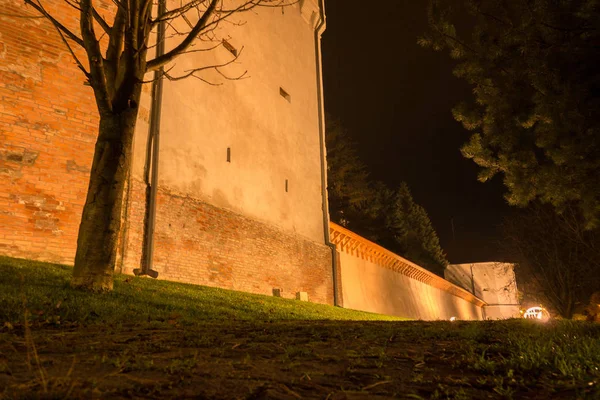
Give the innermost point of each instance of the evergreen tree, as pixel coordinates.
(534, 68)
(410, 232)
(347, 177)
(390, 218)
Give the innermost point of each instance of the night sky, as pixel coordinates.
(395, 99)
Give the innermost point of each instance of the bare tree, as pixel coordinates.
(557, 253)
(114, 53)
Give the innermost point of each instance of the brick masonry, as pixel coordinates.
(198, 243)
(48, 127)
(47, 134)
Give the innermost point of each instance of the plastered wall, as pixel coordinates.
(370, 287)
(376, 280)
(239, 202)
(271, 139)
(493, 282)
(227, 224)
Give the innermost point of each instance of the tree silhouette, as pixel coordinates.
(533, 66)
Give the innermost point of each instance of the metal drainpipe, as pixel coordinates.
(153, 140)
(318, 32)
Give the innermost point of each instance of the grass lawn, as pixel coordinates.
(156, 339)
(45, 289)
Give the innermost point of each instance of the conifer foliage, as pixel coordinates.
(347, 176)
(533, 66)
(411, 230)
(388, 217)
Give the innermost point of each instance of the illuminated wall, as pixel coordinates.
(252, 221)
(377, 280)
(494, 282)
(240, 201)
(48, 127)
(269, 121)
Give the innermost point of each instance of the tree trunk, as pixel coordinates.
(569, 309)
(101, 220)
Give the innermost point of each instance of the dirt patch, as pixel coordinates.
(269, 360)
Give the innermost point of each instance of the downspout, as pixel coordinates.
(152, 150)
(334, 258)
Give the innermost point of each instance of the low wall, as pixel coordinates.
(375, 279)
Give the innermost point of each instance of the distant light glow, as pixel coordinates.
(452, 319)
(535, 313)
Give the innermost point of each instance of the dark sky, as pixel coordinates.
(395, 99)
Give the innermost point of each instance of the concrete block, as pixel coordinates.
(302, 296)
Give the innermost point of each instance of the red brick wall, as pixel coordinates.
(198, 243)
(48, 126)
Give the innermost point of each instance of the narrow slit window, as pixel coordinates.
(286, 186)
(229, 154)
(230, 48)
(285, 95)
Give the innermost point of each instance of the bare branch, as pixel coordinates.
(177, 12)
(113, 51)
(119, 4)
(72, 4)
(57, 24)
(207, 81)
(172, 78)
(101, 21)
(77, 61)
(146, 11)
(249, 5)
(235, 78)
(92, 48)
(159, 75)
(66, 42)
(186, 43)
(202, 26)
(216, 67)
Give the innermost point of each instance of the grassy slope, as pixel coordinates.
(186, 339)
(45, 289)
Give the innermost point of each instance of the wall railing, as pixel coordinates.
(357, 246)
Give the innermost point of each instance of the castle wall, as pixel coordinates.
(196, 242)
(227, 224)
(494, 282)
(377, 280)
(271, 139)
(48, 127)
